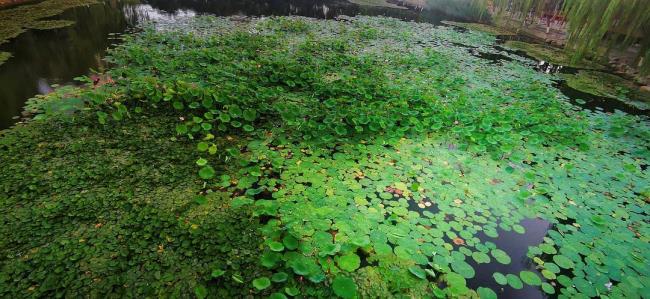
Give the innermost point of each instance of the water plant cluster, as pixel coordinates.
(374, 158)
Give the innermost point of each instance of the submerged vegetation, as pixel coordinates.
(552, 55)
(493, 30)
(4, 56)
(290, 157)
(49, 24)
(14, 21)
(608, 85)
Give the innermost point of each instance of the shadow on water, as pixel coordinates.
(516, 245)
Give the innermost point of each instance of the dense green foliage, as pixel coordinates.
(381, 158)
(89, 210)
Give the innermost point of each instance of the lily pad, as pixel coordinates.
(344, 287)
(349, 262)
(514, 281)
(501, 256)
(261, 283)
(530, 278)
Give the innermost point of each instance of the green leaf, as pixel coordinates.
(277, 295)
(201, 162)
(276, 246)
(290, 242)
(548, 289)
(202, 146)
(261, 283)
(217, 273)
(280, 277)
(480, 257)
(200, 292)
(500, 278)
(418, 272)
(181, 129)
(514, 281)
(463, 268)
(224, 117)
(530, 278)
(206, 172)
(250, 114)
(501, 256)
(349, 262)
(563, 261)
(200, 199)
(344, 287)
(292, 291)
(270, 259)
(486, 293)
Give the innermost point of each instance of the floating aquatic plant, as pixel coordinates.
(376, 155)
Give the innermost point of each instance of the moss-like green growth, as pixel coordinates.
(608, 85)
(481, 27)
(49, 24)
(4, 56)
(552, 55)
(88, 209)
(14, 21)
(382, 3)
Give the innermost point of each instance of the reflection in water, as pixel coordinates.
(147, 12)
(43, 86)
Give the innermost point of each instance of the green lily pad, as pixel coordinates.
(548, 289)
(277, 295)
(418, 272)
(349, 262)
(500, 278)
(290, 242)
(480, 257)
(530, 278)
(261, 283)
(344, 287)
(514, 281)
(501, 256)
(280, 277)
(463, 268)
(563, 261)
(276, 246)
(486, 293)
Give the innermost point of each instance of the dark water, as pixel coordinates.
(516, 245)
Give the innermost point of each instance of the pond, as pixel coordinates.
(417, 158)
